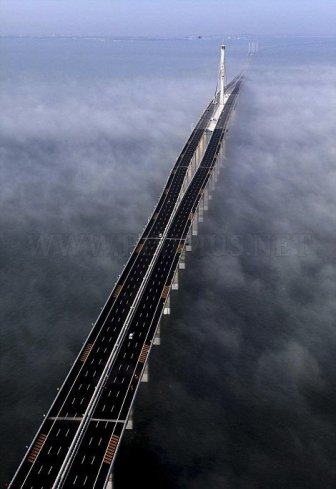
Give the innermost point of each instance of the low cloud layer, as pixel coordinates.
(82, 166)
(243, 392)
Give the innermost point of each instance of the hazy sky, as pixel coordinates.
(158, 17)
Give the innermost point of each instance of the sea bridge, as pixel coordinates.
(77, 443)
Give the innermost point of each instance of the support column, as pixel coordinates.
(195, 163)
(175, 284)
(184, 187)
(157, 339)
(145, 374)
(110, 482)
(206, 198)
(195, 224)
(203, 140)
(207, 137)
(188, 241)
(212, 179)
(210, 189)
(201, 210)
(166, 310)
(190, 173)
(215, 172)
(182, 263)
(202, 148)
(223, 153)
(129, 425)
(197, 156)
(199, 151)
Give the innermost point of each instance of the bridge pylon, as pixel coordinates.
(222, 76)
(253, 48)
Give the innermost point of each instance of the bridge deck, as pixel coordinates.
(86, 421)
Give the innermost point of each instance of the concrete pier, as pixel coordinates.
(157, 339)
(182, 262)
(145, 374)
(212, 181)
(110, 482)
(195, 224)
(188, 241)
(201, 210)
(175, 283)
(129, 425)
(206, 199)
(166, 310)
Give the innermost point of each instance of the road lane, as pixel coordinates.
(79, 386)
(119, 391)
